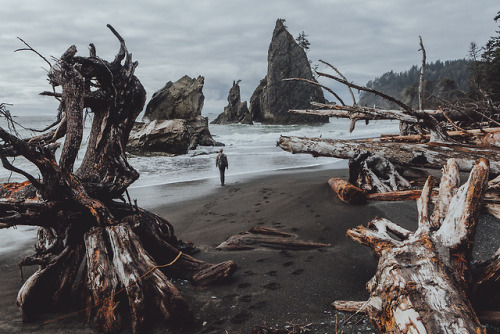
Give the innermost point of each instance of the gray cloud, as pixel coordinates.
(227, 40)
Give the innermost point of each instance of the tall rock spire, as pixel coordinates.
(273, 98)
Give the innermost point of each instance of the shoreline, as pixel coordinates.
(179, 191)
(272, 288)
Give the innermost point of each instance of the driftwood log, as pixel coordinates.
(429, 155)
(374, 173)
(425, 281)
(128, 254)
(268, 238)
(347, 192)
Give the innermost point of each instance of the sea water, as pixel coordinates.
(251, 151)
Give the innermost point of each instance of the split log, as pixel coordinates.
(430, 155)
(422, 282)
(347, 192)
(403, 195)
(268, 238)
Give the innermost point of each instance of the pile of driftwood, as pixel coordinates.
(426, 281)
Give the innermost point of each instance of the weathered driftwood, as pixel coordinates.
(423, 278)
(347, 192)
(128, 253)
(374, 173)
(430, 155)
(268, 238)
(402, 195)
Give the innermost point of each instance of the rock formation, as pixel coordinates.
(172, 122)
(236, 111)
(273, 97)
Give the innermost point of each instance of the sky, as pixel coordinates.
(226, 40)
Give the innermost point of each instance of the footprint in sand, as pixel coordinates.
(244, 285)
(288, 264)
(258, 306)
(229, 298)
(272, 286)
(262, 260)
(271, 273)
(246, 299)
(285, 253)
(249, 273)
(298, 272)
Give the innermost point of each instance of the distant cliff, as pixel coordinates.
(273, 97)
(444, 81)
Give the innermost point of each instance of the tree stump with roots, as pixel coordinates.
(127, 253)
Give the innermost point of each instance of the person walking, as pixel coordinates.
(221, 162)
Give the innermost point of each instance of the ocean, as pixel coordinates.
(251, 151)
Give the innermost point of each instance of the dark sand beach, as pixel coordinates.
(272, 288)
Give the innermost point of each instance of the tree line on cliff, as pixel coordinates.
(445, 81)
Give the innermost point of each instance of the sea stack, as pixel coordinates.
(172, 122)
(273, 98)
(236, 111)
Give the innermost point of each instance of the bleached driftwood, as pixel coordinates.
(430, 155)
(374, 173)
(422, 282)
(268, 238)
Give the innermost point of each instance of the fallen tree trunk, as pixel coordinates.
(347, 192)
(431, 155)
(422, 284)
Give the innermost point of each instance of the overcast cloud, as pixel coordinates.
(226, 40)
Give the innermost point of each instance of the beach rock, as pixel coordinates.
(273, 97)
(172, 123)
(181, 99)
(168, 136)
(236, 111)
(171, 137)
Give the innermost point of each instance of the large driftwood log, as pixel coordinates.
(423, 281)
(431, 155)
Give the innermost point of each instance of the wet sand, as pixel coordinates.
(272, 288)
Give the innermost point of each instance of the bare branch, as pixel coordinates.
(421, 83)
(343, 77)
(405, 107)
(33, 50)
(317, 84)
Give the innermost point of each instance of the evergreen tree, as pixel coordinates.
(303, 41)
(490, 73)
